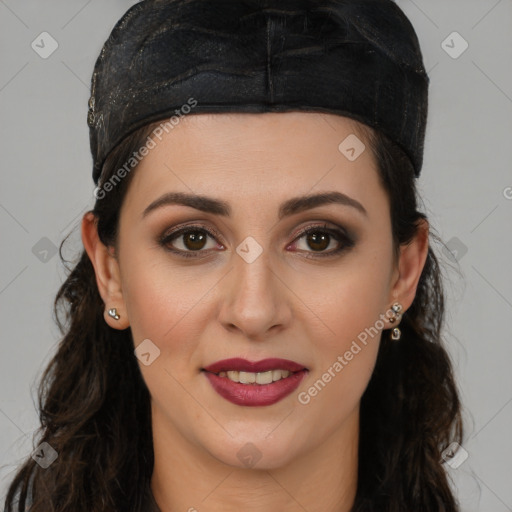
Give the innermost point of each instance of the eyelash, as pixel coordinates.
(338, 234)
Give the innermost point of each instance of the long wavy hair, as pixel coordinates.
(95, 407)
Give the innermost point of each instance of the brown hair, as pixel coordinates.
(95, 407)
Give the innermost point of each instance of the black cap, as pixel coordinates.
(356, 58)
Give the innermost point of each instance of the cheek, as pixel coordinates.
(352, 309)
(167, 307)
(165, 304)
(344, 357)
(346, 301)
(346, 332)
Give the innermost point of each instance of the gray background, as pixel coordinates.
(466, 184)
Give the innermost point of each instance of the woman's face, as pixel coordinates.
(243, 281)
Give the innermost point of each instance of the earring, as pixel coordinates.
(396, 308)
(113, 313)
(396, 333)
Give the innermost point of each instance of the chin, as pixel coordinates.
(255, 452)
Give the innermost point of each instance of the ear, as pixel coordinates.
(107, 272)
(411, 261)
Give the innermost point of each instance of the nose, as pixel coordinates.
(255, 299)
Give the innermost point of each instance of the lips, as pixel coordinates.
(254, 388)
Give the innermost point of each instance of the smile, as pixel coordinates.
(251, 384)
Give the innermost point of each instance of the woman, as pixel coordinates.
(255, 320)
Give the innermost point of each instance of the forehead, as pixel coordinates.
(268, 156)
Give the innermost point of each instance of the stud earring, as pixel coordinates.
(113, 313)
(396, 333)
(396, 308)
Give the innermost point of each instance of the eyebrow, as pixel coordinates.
(289, 207)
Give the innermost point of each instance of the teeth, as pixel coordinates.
(256, 378)
(233, 376)
(246, 377)
(264, 377)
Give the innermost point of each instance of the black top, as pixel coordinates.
(150, 504)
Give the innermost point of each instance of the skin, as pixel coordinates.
(283, 304)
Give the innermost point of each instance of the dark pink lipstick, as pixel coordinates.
(254, 394)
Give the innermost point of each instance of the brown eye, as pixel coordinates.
(188, 240)
(323, 241)
(318, 241)
(194, 240)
